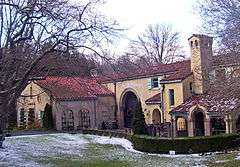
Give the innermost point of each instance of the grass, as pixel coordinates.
(90, 163)
(223, 160)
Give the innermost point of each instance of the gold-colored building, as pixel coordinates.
(177, 94)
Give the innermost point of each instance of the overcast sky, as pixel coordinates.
(137, 14)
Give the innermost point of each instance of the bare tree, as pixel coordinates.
(33, 30)
(158, 44)
(222, 20)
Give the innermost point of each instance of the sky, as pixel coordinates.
(135, 15)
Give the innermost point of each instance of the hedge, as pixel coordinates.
(107, 133)
(186, 145)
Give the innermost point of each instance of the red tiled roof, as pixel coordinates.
(210, 102)
(173, 71)
(73, 88)
(156, 99)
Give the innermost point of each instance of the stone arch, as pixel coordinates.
(156, 116)
(128, 103)
(198, 119)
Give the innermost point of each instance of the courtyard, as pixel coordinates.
(70, 150)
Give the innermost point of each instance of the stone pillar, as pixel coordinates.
(227, 124)
(207, 127)
(174, 126)
(190, 128)
(121, 117)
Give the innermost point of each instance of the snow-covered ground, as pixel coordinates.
(32, 151)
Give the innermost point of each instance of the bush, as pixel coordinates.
(47, 117)
(139, 124)
(186, 145)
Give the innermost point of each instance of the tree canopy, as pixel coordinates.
(222, 20)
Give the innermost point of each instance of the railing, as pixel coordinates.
(161, 130)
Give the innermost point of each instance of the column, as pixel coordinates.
(174, 126)
(227, 124)
(207, 127)
(190, 128)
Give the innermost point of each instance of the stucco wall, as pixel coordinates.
(186, 87)
(38, 101)
(178, 98)
(60, 106)
(140, 88)
(105, 110)
(100, 109)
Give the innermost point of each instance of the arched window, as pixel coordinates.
(156, 116)
(22, 118)
(84, 119)
(70, 120)
(64, 120)
(67, 120)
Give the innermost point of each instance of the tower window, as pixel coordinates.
(191, 44)
(196, 43)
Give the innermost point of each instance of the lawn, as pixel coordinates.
(68, 150)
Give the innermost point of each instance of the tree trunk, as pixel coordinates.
(3, 116)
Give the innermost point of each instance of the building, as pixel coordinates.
(76, 103)
(179, 93)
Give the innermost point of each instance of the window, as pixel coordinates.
(31, 116)
(67, 120)
(84, 119)
(171, 97)
(191, 87)
(155, 83)
(196, 43)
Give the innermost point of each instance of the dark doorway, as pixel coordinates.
(130, 102)
(199, 123)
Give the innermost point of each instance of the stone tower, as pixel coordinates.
(201, 58)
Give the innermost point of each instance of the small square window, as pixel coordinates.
(155, 83)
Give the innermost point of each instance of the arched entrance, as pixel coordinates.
(129, 104)
(156, 116)
(198, 121)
